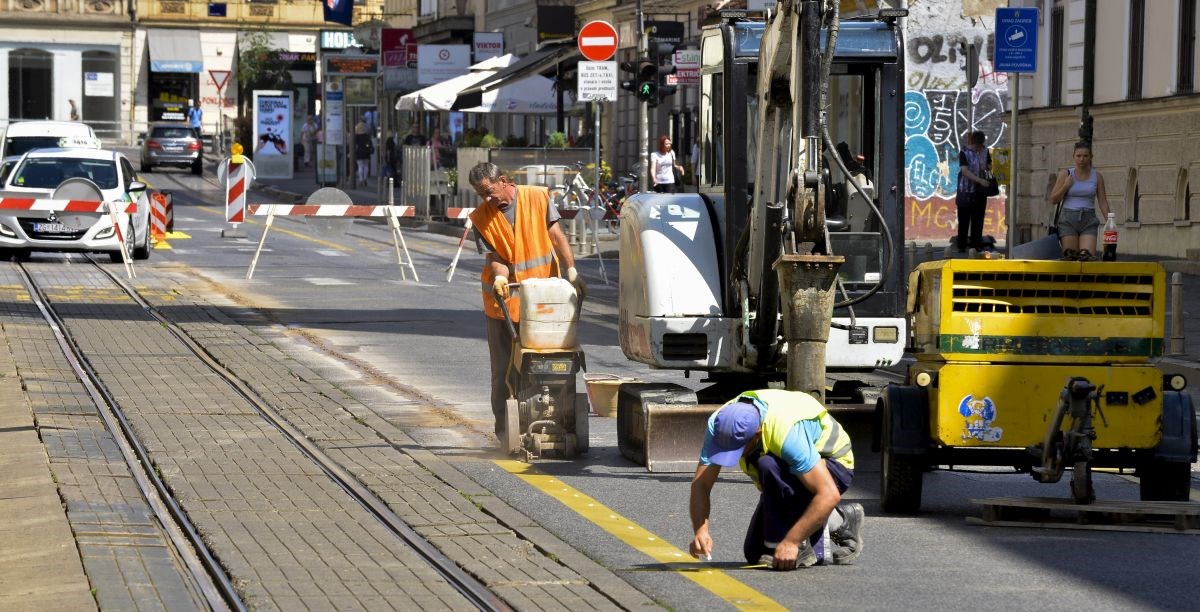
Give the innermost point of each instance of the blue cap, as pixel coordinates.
(733, 426)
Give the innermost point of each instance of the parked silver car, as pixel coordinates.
(173, 144)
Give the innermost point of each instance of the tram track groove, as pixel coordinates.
(206, 572)
(205, 567)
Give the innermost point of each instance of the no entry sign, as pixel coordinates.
(597, 40)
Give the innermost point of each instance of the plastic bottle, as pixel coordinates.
(1110, 238)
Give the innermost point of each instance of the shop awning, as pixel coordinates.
(539, 63)
(440, 96)
(175, 51)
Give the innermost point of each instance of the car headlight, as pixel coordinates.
(107, 232)
(6, 231)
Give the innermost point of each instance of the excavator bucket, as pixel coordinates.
(661, 426)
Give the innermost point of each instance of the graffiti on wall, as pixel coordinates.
(935, 124)
(936, 219)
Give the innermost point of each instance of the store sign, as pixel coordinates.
(354, 65)
(687, 68)
(437, 63)
(98, 84)
(488, 45)
(338, 39)
(398, 46)
(555, 23)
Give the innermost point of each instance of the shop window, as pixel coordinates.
(1133, 195)
(30, 84)
(1056, 56)
(1187, 46)
(1183, 196)
(1137, 43)
(101, 89)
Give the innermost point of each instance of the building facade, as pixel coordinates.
(1145, 109)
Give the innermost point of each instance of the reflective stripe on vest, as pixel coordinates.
(525, 244)
(787, 408)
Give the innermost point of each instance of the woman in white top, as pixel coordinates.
(663, 166)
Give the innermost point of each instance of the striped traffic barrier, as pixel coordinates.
(158, 215)
(235, 191)
(458, 213)
(75, 206)
(331, 203)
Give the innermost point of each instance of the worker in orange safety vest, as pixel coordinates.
(517, 229)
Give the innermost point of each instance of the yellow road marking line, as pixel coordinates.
(715, 581)
(177, 235)
(163, 245)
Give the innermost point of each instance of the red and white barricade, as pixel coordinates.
(51, 205)
(458, 213)
(393, 213)
(235, 191)
(159, 202)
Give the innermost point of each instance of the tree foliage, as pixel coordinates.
(258, 67)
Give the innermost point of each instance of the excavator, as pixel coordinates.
(786, 267)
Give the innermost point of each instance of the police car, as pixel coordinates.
(39, 172)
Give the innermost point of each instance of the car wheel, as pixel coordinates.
(115, 256)
(142, 251)
(198, 167)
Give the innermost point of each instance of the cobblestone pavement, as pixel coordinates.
(287, 534)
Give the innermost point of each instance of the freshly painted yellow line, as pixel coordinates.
(178, 236)
(162, 245)
(332, 245)
(717, 582)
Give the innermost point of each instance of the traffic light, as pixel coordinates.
(665, 90)
(647, 87)
(631, 83)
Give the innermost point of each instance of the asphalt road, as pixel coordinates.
(417, 349)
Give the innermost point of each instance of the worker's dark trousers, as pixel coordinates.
(500, 347)
(783, 499)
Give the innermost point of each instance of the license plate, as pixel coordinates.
(52, 228)
(172, 149)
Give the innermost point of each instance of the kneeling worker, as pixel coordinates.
(801, 461)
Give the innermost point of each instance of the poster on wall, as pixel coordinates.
(98, 84)
(327, 157)
(272, 134)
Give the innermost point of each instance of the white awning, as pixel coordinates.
(175, 51)
(441, 96)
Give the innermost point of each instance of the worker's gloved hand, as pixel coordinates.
(500, 286)
(575, 278)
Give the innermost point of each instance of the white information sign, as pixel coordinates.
(437, 63)
(98, 84)
(597, 81)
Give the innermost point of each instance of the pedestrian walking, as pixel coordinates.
(802, 462)
(362, 152)
(195, 117)
(308, 133)
(74, 111)
(667, 173)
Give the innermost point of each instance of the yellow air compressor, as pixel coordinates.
(1040, 365)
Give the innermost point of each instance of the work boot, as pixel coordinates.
(847, 539)
(807, 557)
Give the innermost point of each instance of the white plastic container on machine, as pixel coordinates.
(548, 313)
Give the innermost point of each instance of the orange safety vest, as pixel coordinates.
(525, 246)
